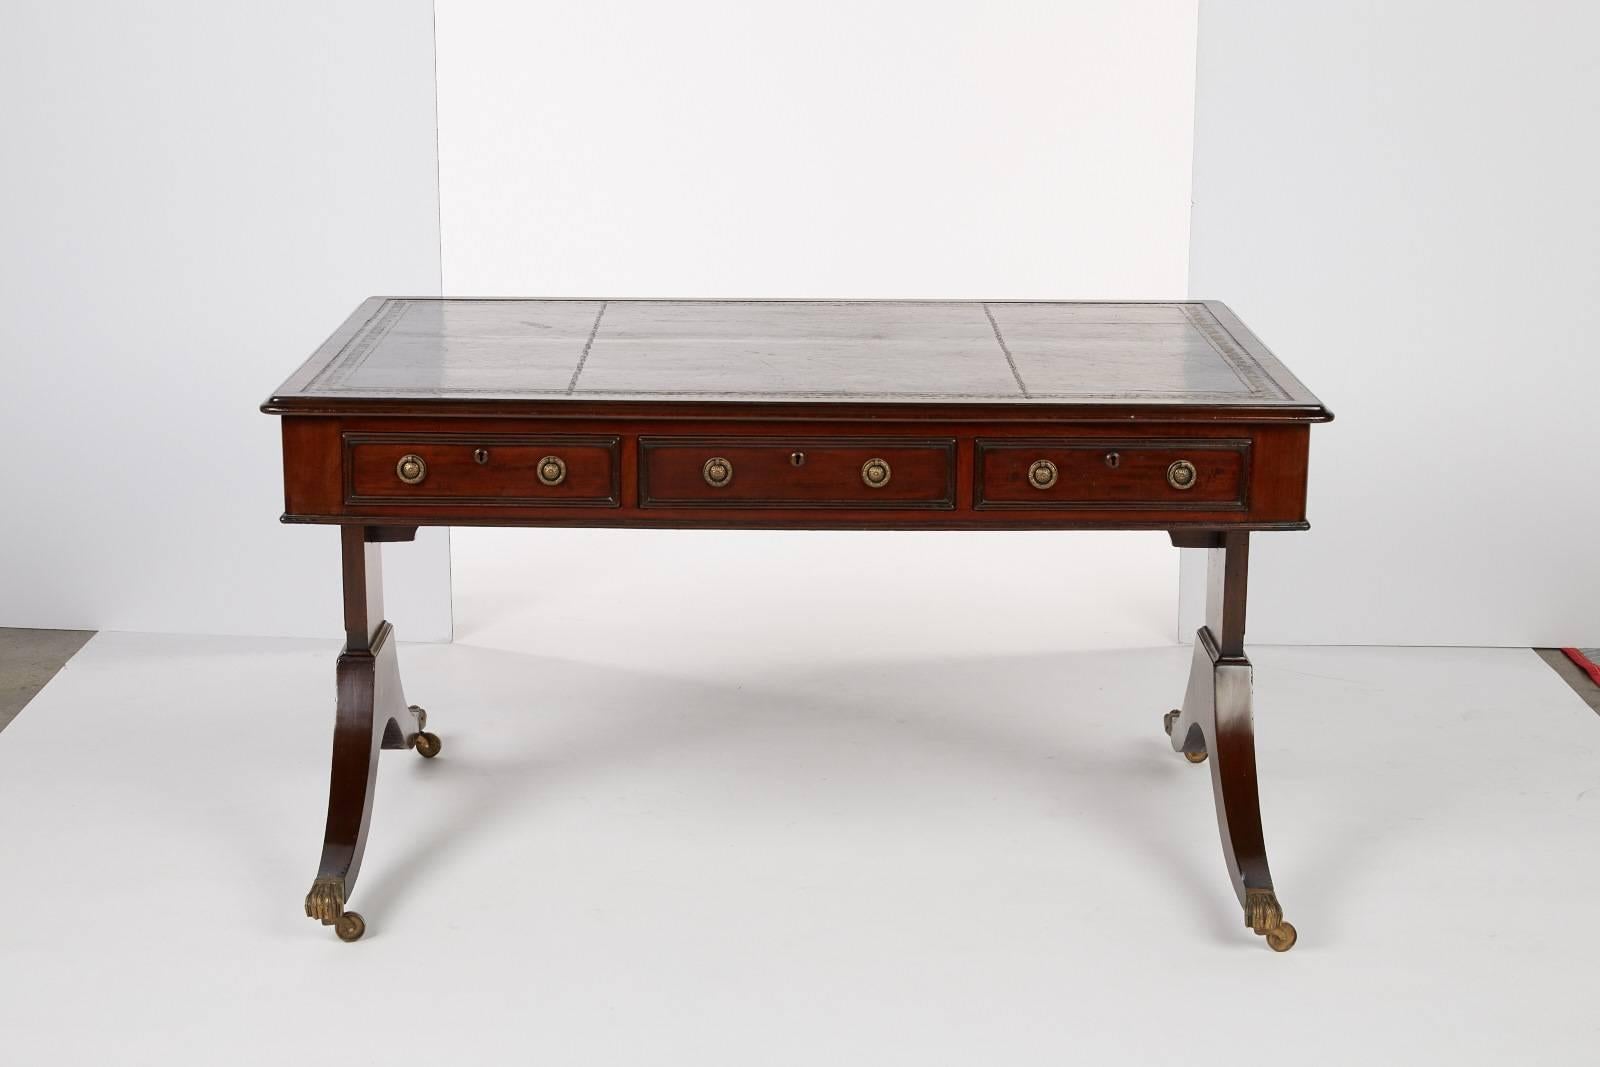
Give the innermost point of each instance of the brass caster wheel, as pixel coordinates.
(428, 745)
(350, 926)
(422, 717)
(1169, 720)
(1195, 757)
(1283, 938)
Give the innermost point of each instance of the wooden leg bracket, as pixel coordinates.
(371, 715)
(1216, 725)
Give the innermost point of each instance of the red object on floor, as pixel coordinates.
(1590, 667)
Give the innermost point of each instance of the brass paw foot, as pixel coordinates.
(325, 903)
(1264, 915)
(1195, 757)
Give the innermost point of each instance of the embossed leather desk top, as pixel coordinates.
(1191, 353)
(804, 414)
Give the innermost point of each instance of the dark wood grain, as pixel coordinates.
(371, 714)
(805, 472)
(490, 469)
(1126, 472)
(1251, 476)
(1217, 723)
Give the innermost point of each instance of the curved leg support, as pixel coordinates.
(1216, 723)
(371, 715)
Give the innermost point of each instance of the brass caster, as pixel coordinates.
(422, 717)
(350, 926)
(1169, 719)
(428, 745)
(1195, 757)
(1283, 938)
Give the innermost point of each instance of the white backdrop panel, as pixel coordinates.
(196, 195)
(1400, 199)
(897, 149)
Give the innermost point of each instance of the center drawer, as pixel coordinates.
(834, 472)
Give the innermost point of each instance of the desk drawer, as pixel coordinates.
(1202, 475)
(756, 472)
(483, 469)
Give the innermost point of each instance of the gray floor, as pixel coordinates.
(1577, 679)
(29, 659)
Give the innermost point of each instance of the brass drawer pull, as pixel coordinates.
(552, 470)
(875, 473)
(411, 469)
(718, 472)
(1042, 474)
(1181, 475)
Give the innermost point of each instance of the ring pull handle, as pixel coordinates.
(1042, 474)
(718, 471)
(411, 469)
(875, 473)
(1182, 475)
(552, 470)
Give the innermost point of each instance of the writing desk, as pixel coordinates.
(950, 415)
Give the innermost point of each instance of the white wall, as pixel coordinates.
(195, 194)
(1401, 199)
(902, 149)
(827, 149)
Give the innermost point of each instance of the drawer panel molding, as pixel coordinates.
(795, 472)
(510, 470)
(1167, 474)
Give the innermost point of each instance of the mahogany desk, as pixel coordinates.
(795, 414)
